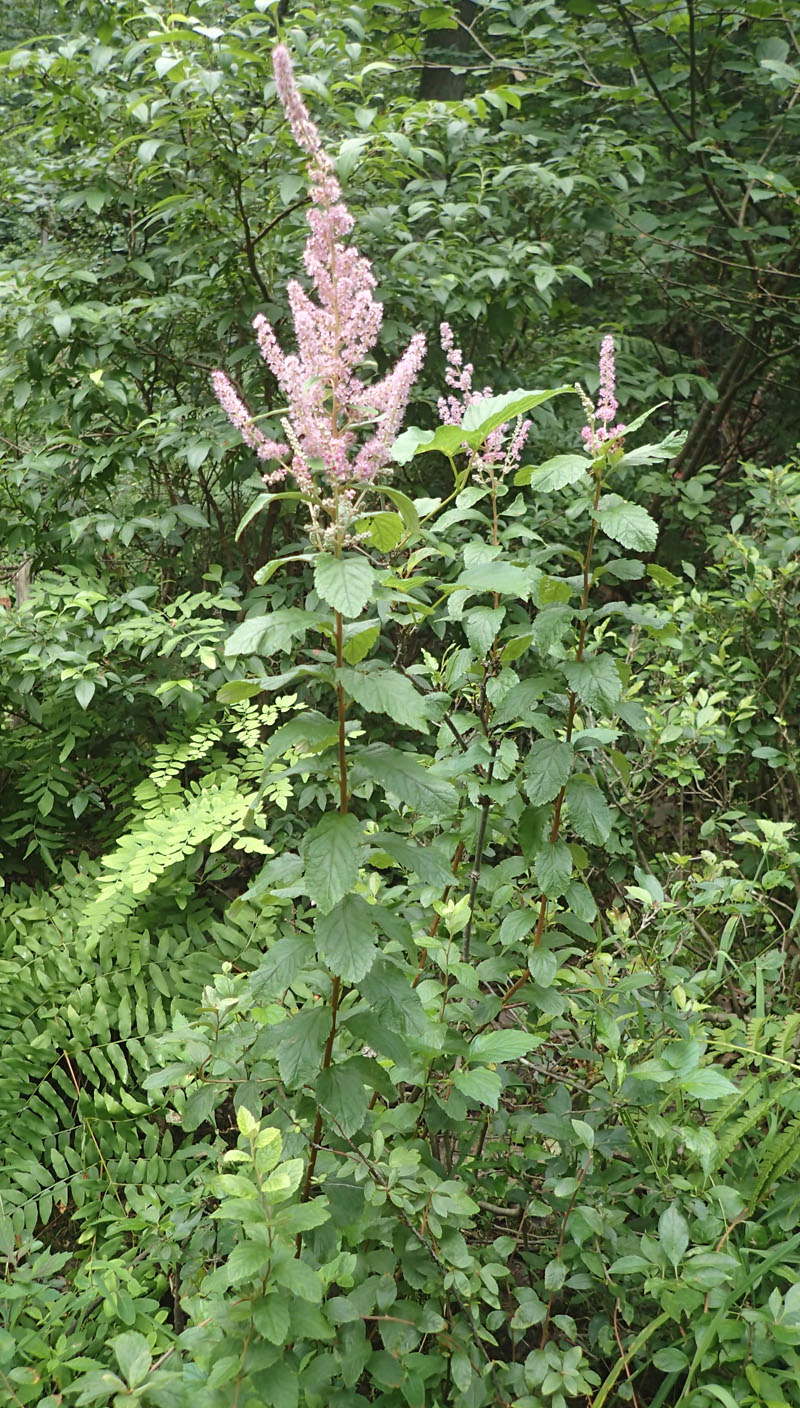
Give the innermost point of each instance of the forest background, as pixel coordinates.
(398, 946)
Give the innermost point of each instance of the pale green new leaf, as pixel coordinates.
(479, 1085)
(497, 1046)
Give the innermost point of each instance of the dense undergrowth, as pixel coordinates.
(398, 952)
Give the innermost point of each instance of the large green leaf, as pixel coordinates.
(404, 777)
(346, 938)
(343, 1094)
(588, 809)
(555, 473)
(332, 851)
(548, 767)
(388, 692)
(271, 634)
(627, 523)
(301, 1043)
(346, 582)
(595, 679)
(553, 868)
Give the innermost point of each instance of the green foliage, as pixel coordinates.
(398, 944)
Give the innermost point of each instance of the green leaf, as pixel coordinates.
(271, 1318)
(547, 769)
(404, 777)
(346, 582)
(446, 440)
(236, 690)
(358, 645)
(497, 1046)
(84, 692)
(708, 1084)
(551, 623)
(389, 994)
(555, 473)
(673, 1232)
(520, 702)
(299, 1278)
(309, 732)
(333, 852)
(502, 577)
(664, 449)
(482, 417)
(384, 691)
(344, 1095)
(553, 868)
(588, 810)
(385, 529)
(479, 1085)
(271, 634)
(132, 1353)
(281, 965)
(595, 679)
(346, 938)
(424, 861)
(200, 1106)
(301, 1044)
(627, 523)
(404, 506)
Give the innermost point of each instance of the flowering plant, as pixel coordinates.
(329, 407)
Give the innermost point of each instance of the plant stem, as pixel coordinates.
(571, 711)
(336, 988)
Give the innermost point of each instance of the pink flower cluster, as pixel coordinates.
(594, 436)
(328, 405)
(458, 375)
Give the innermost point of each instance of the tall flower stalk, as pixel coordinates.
(339, 429)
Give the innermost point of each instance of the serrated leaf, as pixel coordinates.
(446, 440)
(309, 732)
(281, 964)
(271, 634)
(301, 1044)
(595, 679)
(299, 1278)
(550, 624)
(588, 810)
(346, 938)
(479, 1085)
(344, 1095)
(404, 777)
(384, 691)
(548, 766)
(627, 523)
(271, 1318)
(422, 860)
(553, 868)
(346, 582)
(481, 625)
(555, 473)
(664, 449)
(333, 852)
